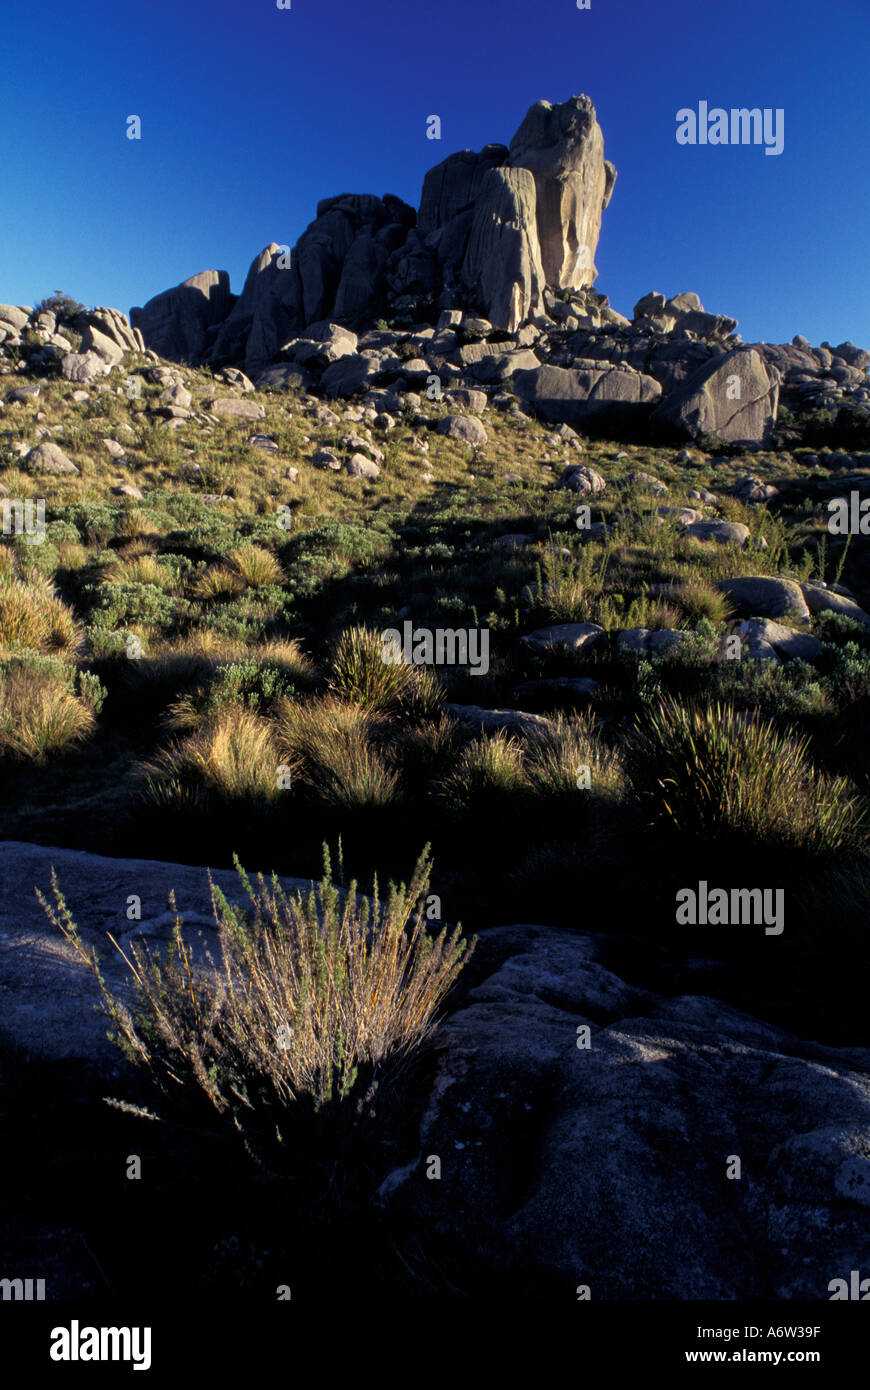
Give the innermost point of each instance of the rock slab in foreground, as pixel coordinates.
(48, 999)
(607, 1166)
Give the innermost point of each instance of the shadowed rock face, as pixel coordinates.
(603, 1160)
(175, 323)
(497, 226)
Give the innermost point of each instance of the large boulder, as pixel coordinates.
(176, 323)
(563, 147)
(48, 457)
(733, 398)
(84, 367)
(595, 390)
(108, 324)
(13, 317)
(758, 596)
(586, 1131)
(820, 599)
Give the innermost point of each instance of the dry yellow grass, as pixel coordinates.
(335, 746)
(39, 715)
(232, 757)
(33, 617)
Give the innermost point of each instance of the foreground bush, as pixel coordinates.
(711, 769)
(313, 994)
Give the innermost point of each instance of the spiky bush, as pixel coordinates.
(218, 582)
(710, 769)
(487, 771)
(340, 751)
(358, 672)
(313, 994)
(257, 568)
(557, 758)
(40, 713)
(698, 598)
(140, 569)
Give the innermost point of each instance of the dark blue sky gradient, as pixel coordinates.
(250, 115)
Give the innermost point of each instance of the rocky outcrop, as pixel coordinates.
(591, 391)
(176, 323)
(563, 147)
(496, 227)
(503, 262)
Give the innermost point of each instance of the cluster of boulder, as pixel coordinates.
(100, 338)
(493, 229)
(488, 284)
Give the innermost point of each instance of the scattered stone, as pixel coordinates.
(763, 597)
(472, 402)
(493, 721)
(230, 407)
(516, 540)
(177, 396)
(576, 637)
(784, 641)
(641, 641)
(580, 478)
(358, 466)
(83, 366)
(466, 428)
(647, 481)
(559, 692)
(752, 489)
(325, 458)
(724, 532)
(821, 599)
(358, 443)
(47, 457)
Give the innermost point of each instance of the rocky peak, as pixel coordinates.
(494, 229)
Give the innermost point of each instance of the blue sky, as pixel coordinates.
(251, 114)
